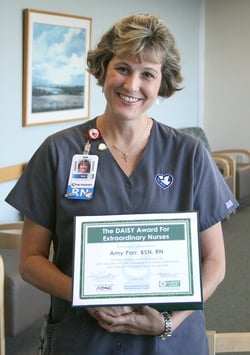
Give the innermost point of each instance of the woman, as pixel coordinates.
(135, 62)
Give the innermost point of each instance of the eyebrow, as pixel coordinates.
(122, 62)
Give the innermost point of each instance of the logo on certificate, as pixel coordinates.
(170, 284)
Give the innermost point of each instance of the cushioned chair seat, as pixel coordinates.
(24, 304)
(243, 179)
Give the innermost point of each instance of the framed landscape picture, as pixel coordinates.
(55, 79)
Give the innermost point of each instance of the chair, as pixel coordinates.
(242, 159)
(10, 235)
(225, 162)
(19, 295)
(2, 326)
(228, 342)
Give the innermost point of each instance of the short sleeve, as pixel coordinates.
(212, 197)
(34, 193)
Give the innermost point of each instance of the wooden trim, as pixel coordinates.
(12, 172)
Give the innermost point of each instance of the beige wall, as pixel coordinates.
(227, 73)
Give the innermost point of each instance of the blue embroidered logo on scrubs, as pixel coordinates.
(164, 180)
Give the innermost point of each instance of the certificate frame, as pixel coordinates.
(138, 259)
(56, 83)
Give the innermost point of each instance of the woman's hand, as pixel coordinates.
(141, 320)
(111, 311)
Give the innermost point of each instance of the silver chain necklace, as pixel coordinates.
(126, 154)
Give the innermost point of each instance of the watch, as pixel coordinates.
(167, 324)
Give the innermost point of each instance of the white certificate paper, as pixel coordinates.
(137, 259)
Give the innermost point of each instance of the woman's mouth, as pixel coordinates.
(129, 98)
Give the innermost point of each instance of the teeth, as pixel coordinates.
(129, 99)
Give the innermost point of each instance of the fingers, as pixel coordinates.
(133, 323)
(122, 324)
(112, 311)
(143, 320)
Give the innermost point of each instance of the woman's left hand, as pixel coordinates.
(143, 320)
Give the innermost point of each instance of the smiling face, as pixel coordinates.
(131, 87)
(84, 166)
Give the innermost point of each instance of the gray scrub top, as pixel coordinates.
(175, 173)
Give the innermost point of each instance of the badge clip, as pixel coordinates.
(94, 134)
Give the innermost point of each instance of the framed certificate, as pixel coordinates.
(140, 259)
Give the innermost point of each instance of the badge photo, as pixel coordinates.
(82, 177)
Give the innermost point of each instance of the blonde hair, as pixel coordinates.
(146, 37)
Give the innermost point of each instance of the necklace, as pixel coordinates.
(140, 138)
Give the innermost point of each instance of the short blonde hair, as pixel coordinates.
(146, 37)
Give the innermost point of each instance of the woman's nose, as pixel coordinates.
(132, 83)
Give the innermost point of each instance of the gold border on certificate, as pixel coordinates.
(138, 259)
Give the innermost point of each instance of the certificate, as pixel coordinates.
(138, 259)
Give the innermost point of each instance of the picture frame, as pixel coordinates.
(56, 83)
(151, 259)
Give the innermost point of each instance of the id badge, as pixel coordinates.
(82, 177)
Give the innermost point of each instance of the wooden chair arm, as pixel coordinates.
(237, 154)
(220, 159)
(238, 341)
(229, 159)
(228, 342)
(223, 164)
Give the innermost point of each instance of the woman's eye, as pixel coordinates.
(148, 75)
(122, 70)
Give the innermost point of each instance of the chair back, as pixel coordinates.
(228, 342)
(196, 132)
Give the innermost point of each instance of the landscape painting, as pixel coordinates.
(56, 82)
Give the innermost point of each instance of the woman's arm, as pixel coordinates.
(34, 265)
(213, 259)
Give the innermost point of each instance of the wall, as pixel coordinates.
(227, 74)
(18, 143)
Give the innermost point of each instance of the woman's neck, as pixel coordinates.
(123, 131)
(125, 139)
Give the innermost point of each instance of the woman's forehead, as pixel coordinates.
(142, 57)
